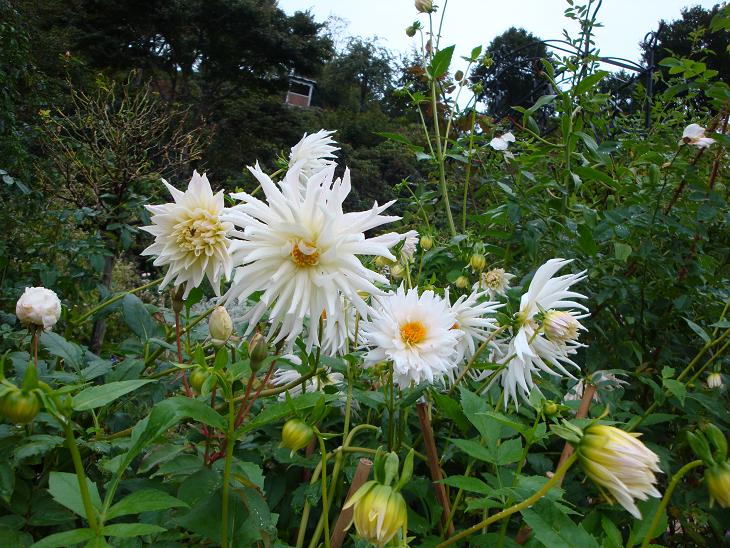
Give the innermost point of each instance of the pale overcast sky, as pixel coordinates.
(470, 23)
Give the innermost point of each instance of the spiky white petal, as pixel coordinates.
(475, 317)
(415, 333)
(301, 250)
(495, 281)
(315, 152)
(190, 236)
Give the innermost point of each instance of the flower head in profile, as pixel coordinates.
(475, 317)
(694, 134)
(282, 377)
(301, 250)
(339, 331)
(315, 152)
(531, 350)
(714, 380)
(410, 243)
(190, 236)
(502, 142)
(415, 332)
(496, 282)
(38, 307)
(619, 463)
(602, 380)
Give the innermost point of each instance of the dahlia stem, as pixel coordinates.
(474, 358)
(80, 474)
(585, 402)
(517, 507)
(468, 170)
(325, 503)
(433, 465)
(665, 499)
(230, 442)
(111, 300)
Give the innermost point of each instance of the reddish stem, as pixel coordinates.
(35, 347)
(183, 374)
(244, 414)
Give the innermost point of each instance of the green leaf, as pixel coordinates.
(508, 452)
(589, 82)
(541, 102)
(396, 137)
(621, 251)
(129, 530)
(146, 500)
(36, 446)
(475, 409)
(473, 449)
(553, 528)
(99, 396)
(64, 488)
(676, 388)
(697, 329)
(67, 538)
(588, 173)
(278, 411)
(613, 534)
(440, 62)
(466, 483)
(70, 353)
(138, 319)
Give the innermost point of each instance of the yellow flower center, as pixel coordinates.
(304, 254)
(413, 332)
(456, 326)
(200, 234)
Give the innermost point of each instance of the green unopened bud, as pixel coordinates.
(410, 31)
(550, 408)
(397, 271)
(462, 282)
(382, 262)
(426, 242)
(477, 262)
(379, 513)
(296, 435)
(257, 351)
(220, 326)
(424, 6)
(718, 484)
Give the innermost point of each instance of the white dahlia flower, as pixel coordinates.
(409, 245)
(495, 282)
(475, 317)
(603, 380)
(694, 135)
(338, 332)
(502, 142)
(414, 332)
(190, 236)
(530, 350)
(38, 306)
(618, 462)
(301, 250)
(282, 377)
(316, 152)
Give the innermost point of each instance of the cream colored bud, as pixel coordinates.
(426, 242)
(410, 31)
(257, 351)
(714, 380)
(39, 307)
(560, 326)
(462, 282)
(477, 262)
(424, 6)
(220, 325)
(382, 262)
(397, 271)
(379, 513)
(717, 479)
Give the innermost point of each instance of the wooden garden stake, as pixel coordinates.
(433, 465)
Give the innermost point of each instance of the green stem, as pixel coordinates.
(80, 475)
(81, 319)
(230, 442)
(474, 358)
(157, 353)
(665, 499)
(559, 473)
(441, 160)
(391, 410)
(325, 502)
(468, 171)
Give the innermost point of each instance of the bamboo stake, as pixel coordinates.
(362, 472)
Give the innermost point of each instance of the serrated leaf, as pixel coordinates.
(677, 389)
(473, 449)
(70, 353)
(440, 62)
(621, 251)
(146, 500)
(35, 446)
(64, 489)
(99, 396)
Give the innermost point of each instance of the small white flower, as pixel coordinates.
(694, 135)
(414, 332)
(714, 380)
(604, 380)
(409, 245)
(282, 377)
(495, 282)
(529, 351)
(190, 236)
(315, 152)
(38, 306)
(502, 143)
(475, 317)
(302, 251)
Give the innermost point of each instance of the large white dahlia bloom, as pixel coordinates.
(416, 333)
(190, 236)
(546, 332)
(475, 317)
(301, 250)
(315, 151)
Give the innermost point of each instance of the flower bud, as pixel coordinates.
(550, 408)
(424, 6)
(39, 307)
(620, 464)
(379, 512)
(426, 242)
(296, 435)
(257, 351)
(382, 262)
(458, 75)
(397, 271)
(560, 326)
(462, 282)
(410, 31)
(718, 484)
(714, 380)
(477, 261)
(220, 326)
